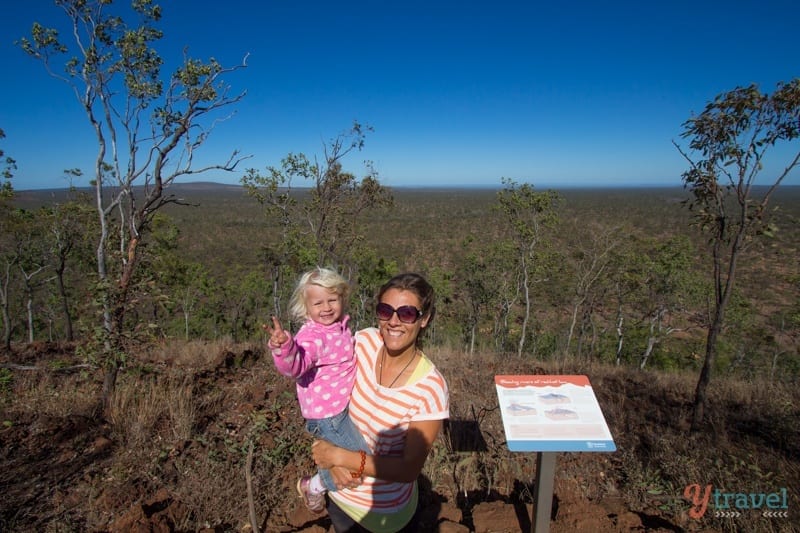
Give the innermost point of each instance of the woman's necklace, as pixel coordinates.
(380, 370)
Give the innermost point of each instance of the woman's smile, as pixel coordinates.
(400, 337)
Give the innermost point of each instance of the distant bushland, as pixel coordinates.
(437, 230)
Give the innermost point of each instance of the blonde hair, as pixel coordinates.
(323, 277)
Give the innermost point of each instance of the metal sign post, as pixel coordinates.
(550, 414)
(543, 492)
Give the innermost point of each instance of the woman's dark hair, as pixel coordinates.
(411, 281)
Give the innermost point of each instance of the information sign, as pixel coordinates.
(544, 413)
(547, 415)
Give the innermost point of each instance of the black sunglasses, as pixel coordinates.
(408, 314)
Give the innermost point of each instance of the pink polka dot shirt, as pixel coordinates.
(320, 359)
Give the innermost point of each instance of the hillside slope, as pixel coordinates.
(172, 457)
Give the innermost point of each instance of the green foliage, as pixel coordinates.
(729, 140)
(155, 124)
(7, 172)
(321, 224)
(526, 211)
(373, 271)
(477, 289)
(97, 347)
(285, 444)
(545, 345)
(205, 260)
(283, 450)
(58, 364)
(527, 216)
(732, 136)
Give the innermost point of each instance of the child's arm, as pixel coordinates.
(291, 359)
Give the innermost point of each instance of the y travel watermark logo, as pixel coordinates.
(733, 504)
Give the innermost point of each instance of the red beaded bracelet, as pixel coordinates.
(361, 469)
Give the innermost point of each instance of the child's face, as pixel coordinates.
(323, 306)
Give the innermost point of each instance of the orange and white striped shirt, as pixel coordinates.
(382, 415)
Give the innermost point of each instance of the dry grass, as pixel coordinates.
(750, 445)
(153, 408)
(54, 394)
(184, 416)
(191, 354)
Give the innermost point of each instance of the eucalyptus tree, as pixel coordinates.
(624, 284)
(591, 254)
(527, 215)
(372, 272)
(196, 286)
(67, 230)
(316, 209)
(474, 289)
(482, 287)
(8, 256)
(8, 271)
(31, 261)
(239, 305)
(728, 142)
(7, 172)
(667, 291)
(148, 128)
(185, 283)
(502, 263)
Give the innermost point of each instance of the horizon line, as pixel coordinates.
(426, 186)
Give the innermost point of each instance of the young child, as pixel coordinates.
(320, 359)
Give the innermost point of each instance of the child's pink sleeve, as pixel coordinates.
(295, 357)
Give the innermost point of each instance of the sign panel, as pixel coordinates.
(552, 414)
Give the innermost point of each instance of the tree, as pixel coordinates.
(666, 286)
(7, 172)
(589, 260)
(527, 215)
(482, 283)
(476, 286)
(242, 302)
(373, 271)
(320, 226)
(147, 129)
(7, 259)
(729, 141)
(501, 259)
(624, 283)
(183, 282)
(68, 226)
(31, 261)
(11, 253)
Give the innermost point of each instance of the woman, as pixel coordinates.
(399, 403)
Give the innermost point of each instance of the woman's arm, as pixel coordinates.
(406, 468)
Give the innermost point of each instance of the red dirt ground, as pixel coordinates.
(55, 472)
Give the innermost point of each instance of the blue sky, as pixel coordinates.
(459, 93)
